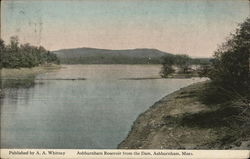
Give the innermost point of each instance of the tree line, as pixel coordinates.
(229, 86)
(227, 92)
(228, 70)
(16, 55)
(183, 62)
(230, 67)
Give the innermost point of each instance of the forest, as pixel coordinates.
(128, 56)
(16, 55)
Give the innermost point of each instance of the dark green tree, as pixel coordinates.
(183, 62)
(2, 50)
(230, 68)
(15, 55)
(167, 66)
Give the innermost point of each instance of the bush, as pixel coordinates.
(204, 70)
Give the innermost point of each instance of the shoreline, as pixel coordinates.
(27, 72)
(22, 77)
(167, 124)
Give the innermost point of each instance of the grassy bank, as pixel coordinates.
(23, 77)
(182, 120)
(7, 73)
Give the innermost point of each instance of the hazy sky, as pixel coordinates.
(193, 27)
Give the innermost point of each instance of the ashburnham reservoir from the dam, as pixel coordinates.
(60, 112)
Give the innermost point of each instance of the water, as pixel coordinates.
(94, 113)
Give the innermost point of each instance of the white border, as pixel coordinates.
(122, 154)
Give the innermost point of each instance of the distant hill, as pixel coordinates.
(104, 56)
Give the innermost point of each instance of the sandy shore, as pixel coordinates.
(163, 126)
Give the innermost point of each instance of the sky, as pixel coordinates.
(193, 27)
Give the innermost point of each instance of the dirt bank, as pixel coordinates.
(181, 121)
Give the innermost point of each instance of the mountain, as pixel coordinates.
(105, 56)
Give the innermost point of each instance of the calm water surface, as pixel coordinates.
(93, 113)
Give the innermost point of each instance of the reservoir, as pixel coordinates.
(62, 110)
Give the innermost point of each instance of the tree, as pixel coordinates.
(230, 68)
(14, 42)
(166, 71)
(183, 62)
(167, 66)
(2, 50)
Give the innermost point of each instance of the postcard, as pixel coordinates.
(125, 79)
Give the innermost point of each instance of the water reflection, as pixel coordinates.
(15, 89)
(18, 83)
(93, 113)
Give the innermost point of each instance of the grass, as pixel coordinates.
(26, 72)
(22, 77)
(229, 114)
